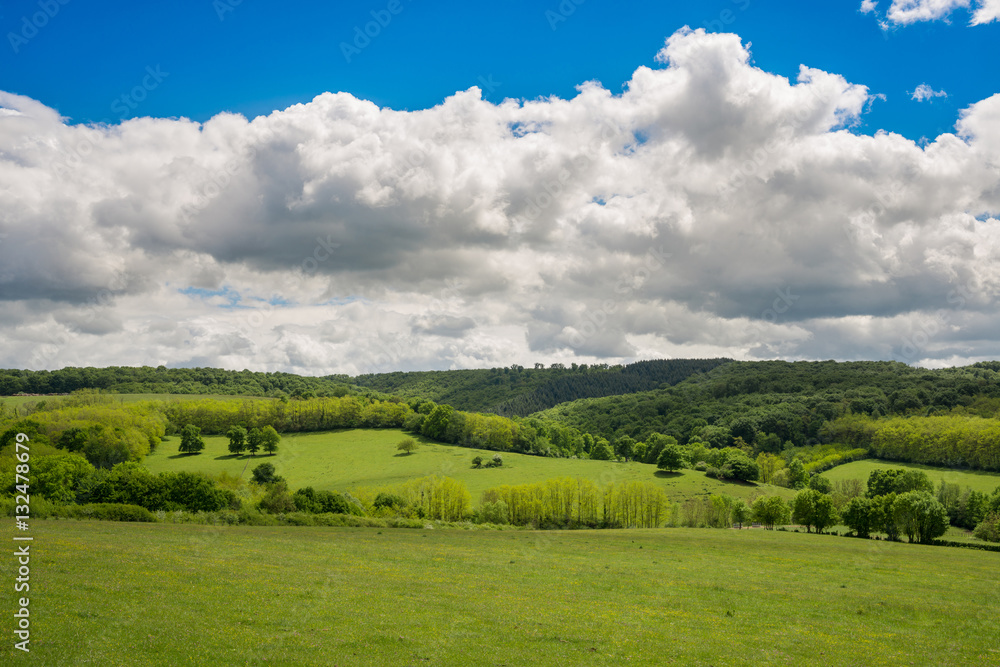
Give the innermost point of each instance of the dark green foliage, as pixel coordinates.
(899, 480)
(989, 528)
(191, 440)
(518, 391)
(820, 483)
(317, 502)
(920, 516)
(194, 492)
(255, 440)
(862, 515)
(624, 447)
(264, 474)
(277, 500)
(237, 439)
(477, 461)
(162, 380)
(671, 458)
(389, 500)
(269, 439)
(814, 510)
(784, 401)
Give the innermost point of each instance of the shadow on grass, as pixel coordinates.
(663, 474)
(183, 455)
(402, 454)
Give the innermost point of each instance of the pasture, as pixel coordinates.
(341, 460)
(978, 480)
(164, 594)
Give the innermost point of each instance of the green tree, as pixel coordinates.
(821, 484)
(264, 474)
(884, 516)
(797, 475)
(277, 500)
(920, 516)
(813, 510)
(254, 441)
(269, 439)
(770, 511)
(601, 451)
(437, 421)
(407, 445)
(655, 444)
(191, 440)
(477, 462)
(237, 439)
(741, 512)
(671, 458)
(862, 515)
(624, 447)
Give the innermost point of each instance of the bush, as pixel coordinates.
(264, 474)
(477, 462)
(701, 465)
(989, 529)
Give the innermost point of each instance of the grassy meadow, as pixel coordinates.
(978, 480)
(341, 460)
(164, 594)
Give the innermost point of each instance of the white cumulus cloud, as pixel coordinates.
(711, 208)
(924, 92)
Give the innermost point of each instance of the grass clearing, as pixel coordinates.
(162, 594)
(978, 480)
(341, 460)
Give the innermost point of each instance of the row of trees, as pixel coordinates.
(955, 441)
(573, 502)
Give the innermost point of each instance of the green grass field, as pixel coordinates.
(976, 479)
(341, 460)
(164, 594)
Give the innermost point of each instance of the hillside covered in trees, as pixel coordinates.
(785, 402)
(519, 391)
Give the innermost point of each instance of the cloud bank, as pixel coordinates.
(711, 208)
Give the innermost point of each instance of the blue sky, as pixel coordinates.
(252, 57)
(253, 185)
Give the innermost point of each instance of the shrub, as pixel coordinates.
(477, 462)
(701, 465)
(988, 530)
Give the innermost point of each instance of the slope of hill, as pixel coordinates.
(790, 400)
(342, 460)
(519, 391)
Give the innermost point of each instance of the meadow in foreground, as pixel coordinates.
(160, 594)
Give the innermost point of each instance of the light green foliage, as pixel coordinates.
(407, 445)
(770, 511)
(601, 451)
(269, 439)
